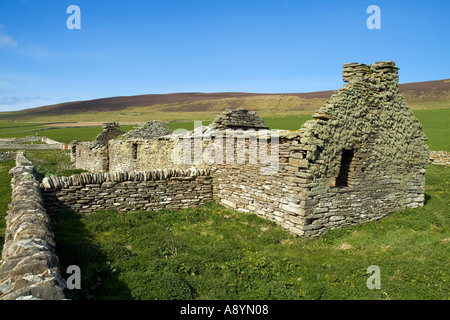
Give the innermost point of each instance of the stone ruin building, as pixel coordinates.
(362, 157)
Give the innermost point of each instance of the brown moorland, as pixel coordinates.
(419, 95)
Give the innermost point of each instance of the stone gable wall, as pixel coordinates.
(366, 136)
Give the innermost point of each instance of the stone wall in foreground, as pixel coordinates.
(29, 268)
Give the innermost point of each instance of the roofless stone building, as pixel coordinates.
(362, 157)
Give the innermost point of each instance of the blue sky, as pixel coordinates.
(163, 46)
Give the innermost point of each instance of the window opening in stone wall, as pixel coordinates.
(134, 151)
(346, 161)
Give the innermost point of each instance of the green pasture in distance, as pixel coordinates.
(436, 124)
(287, 122)
(67, 135)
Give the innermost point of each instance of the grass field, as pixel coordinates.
(65, 135)
(216, 253)
(434, 122)
(5, 194)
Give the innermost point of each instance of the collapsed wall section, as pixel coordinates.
(29, 269)
(93, 156)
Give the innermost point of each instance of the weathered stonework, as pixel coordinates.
(440, 158)
(127, 191)
(93, 156)
(366, 152)
(149, 130)
(238, 119)
(111, 130)
(7, 156)
(90, 156)
(29, 268)
(362, 157)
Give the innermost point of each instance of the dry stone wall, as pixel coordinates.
(7, 156)
(127, 191)
(141, 155)
(4, 141)
(27, 143)
(32, 146)
(29, 268)
(440, 158)
(149, 130)
(278, 196)
(238, 119)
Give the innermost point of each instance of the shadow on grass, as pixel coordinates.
(427, 198)
(76, 246)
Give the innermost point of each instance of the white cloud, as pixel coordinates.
(12, 103)
(7, 41)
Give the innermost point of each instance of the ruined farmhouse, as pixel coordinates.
(362, 157)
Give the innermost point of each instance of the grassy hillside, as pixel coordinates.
(205, 106)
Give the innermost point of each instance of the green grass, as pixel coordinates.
(65, 135)
(436, 124)
(217, 253)
(5, 195)
(52, 162)
(287, 122)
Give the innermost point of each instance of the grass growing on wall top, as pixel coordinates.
(217, 253)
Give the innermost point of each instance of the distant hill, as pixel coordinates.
(182, 106)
